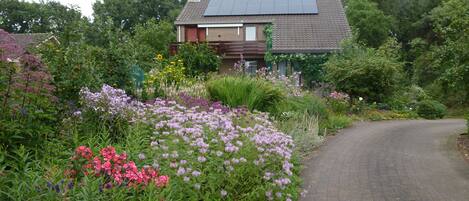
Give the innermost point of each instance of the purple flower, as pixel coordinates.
(196, 173)
(201, 159)
(181, 171)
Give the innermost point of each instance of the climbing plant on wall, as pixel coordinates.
(310, 65)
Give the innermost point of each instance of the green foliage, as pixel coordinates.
(255, 94)
(308, 103)
(145, 46)
(337, 122)
(27, 110)
(24, 17)
(126, 14)
(304, 129)
(430, 109)
(371, 24)
(198, 58)
(311, 66)
(72, 68)
(366, 72)
(444, 66)
(410, 17)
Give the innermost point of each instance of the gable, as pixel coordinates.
(306, 33)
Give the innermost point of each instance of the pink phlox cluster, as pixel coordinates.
(116, 166)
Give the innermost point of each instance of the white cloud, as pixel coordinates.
(86, 6)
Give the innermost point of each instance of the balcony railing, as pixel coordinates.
(232, 48)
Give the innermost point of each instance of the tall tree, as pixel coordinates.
(128, 13)
(371, 24)
(410, 17)
(446, 63)
(24, 17)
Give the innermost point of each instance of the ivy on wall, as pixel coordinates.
(310, 65)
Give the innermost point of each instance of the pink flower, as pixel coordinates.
(97, 165)
(162, 181)
(108, 153)
(107, 167)
(84, 152)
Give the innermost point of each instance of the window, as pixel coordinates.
(251, 67)
(251, 34)
(282, 68)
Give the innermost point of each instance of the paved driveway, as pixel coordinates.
(394, 160)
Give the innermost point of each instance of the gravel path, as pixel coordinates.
(393, 160)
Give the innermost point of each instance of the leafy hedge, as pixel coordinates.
(430, 109)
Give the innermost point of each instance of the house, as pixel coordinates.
(235, 28)
(13, 46)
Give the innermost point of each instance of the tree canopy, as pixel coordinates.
(128, 13)
(24, 17)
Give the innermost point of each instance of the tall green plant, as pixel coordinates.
(256, 94)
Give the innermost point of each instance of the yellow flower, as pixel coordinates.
(159, 57)
(172, 62)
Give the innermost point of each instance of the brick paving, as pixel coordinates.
(394, 160)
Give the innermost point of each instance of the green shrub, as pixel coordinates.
(198, 58)
(256, 94)
(339, 106)
(373, 74)
(337, 122)
(309, 103)
(430, 109)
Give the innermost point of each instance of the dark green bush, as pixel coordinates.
(430, 109)
(373, 74)
(256, 94)
(198, 58)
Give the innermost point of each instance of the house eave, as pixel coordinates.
(305, 51)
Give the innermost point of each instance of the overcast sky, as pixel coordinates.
(86, 6)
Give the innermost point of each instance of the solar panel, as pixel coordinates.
(260, 7)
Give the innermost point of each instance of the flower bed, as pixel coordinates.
(208, 151)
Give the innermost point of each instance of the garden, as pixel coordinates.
(107, 113)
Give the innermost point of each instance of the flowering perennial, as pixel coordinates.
(116, 167)
(194, 145)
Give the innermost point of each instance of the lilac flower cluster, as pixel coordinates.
(198, 144)
(113, 103)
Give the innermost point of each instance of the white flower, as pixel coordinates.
(360, 98)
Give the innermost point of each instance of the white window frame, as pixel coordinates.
(249, 31)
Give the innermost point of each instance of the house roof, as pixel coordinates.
(303, 33)
(30, 40)
(15, 45)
